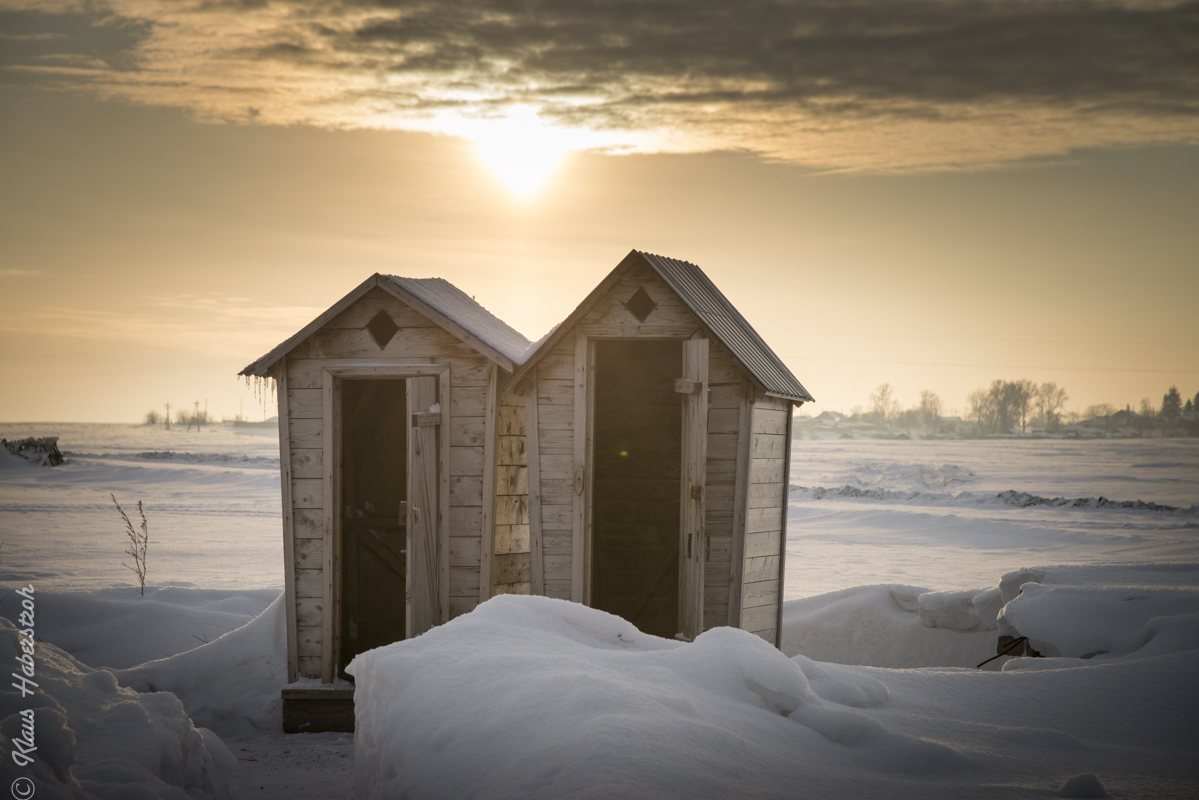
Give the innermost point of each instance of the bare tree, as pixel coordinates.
(1147, 408)
(930, 409)
(1050, 399)
(1021, 393)
(884, 404)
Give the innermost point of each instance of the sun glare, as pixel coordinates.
(520, 150)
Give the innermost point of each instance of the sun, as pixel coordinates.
(520, 150)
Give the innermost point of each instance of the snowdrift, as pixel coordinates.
(893, 626)
(534, 697)
(231, 684)
(1079, 614)
(122, 628)
(98, 740)
(529, 697)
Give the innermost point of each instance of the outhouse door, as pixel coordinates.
(694, 388)
(424, 556)
(644, 493)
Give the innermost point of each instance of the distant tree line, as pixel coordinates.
(1006, 406)
(1010, 406)
(197, 416)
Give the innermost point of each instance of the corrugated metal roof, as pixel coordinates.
(707, 302)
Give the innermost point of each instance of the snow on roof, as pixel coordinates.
(437, 298)
(457, 306)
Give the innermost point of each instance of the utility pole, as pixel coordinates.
(168, 405)
(195, 417)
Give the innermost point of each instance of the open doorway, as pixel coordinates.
(637, 451)
(373, 515)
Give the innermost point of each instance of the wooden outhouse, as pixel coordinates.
(634, 460)
(403, 477)
(659, 430)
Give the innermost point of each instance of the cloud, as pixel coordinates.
(18, 273)
(859, 84)
(213, 325)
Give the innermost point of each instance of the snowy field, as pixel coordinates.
(896, 551)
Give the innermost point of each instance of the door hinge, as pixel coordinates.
(425, 418)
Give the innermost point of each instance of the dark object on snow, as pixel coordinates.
(1017, 646)
(1085, 785)
(43, 451)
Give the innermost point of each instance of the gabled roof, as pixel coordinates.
(707, 302)
(435, 298)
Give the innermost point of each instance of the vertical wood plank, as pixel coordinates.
(745, 437)
(443, 518)
(329, 418)
(490, 452)
(692, 489)
(778, 625)
(289, 539)
(426, 548)
(581, 476)
(533, 449)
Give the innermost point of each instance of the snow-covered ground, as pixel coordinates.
(896, 550)
(211, 500)
(927, 512)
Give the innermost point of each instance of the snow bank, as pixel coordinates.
(533, 697)
(232, 684)
(122, 628)
(1101, 612)
(893, 626)
(98, 740)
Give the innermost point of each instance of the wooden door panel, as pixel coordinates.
(424, 546)
(694, 388)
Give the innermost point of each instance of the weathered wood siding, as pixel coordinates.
(554, 391)
(419, 339)
(726, 381)
(511, 571)
(767, 508)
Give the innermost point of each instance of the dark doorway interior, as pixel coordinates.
(374, 487)
(635, 491)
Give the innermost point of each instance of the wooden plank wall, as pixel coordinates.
(555, 458)
(419, 339)
(511, 571)
(726, 382)
(767, 501)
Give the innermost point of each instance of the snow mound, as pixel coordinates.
(893, 626)
(1101, 612)
(534, 697)
(122, 628)
(98, 740)
(231, 684)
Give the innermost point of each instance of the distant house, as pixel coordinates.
(636, 460)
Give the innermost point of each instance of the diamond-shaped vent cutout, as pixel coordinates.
(382, 328)
(640, 305)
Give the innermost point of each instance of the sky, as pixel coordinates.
(933, 194)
